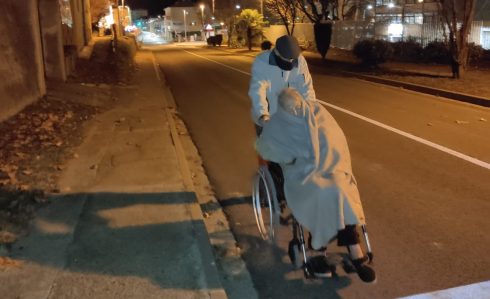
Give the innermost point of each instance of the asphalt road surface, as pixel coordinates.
(421, 164)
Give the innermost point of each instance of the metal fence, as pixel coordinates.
(345, 34)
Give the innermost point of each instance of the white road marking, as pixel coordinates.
(222, 64)
(478, 290)
(155, 66)
(413, 137)
(379, 124)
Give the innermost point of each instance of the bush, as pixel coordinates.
(437, 52)
(323, 37)
(408, 51)
(373, 52)
(215, 40)
(475, 53)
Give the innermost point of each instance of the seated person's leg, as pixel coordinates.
(276, 172)
(350, 237)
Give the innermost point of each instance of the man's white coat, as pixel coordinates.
(268, 80)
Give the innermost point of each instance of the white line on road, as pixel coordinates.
(478, 290)
(222, 64)
(413, 137)
(155, 66)
(379, 124)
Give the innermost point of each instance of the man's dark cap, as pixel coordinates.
(288, 47)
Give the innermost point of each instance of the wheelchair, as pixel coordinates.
(269, 204)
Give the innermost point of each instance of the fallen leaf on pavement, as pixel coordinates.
(7, 237)
(8, 262)
(27, 172)
(482, 119)
(462, 122)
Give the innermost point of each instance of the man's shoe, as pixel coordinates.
(365, 272)
(318, 266)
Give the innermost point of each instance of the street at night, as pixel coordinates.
(426, 208)
(276, 149)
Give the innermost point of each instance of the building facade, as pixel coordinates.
(42, 46)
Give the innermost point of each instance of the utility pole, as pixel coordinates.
(202, 21)
(185, 26)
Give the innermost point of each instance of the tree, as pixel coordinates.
(285, 10)
(98, 9)
(321, 13)
(458, 17)
(226, 13)
(250, 22)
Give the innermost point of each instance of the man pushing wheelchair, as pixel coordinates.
(298, 133)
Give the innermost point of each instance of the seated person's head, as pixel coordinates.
(286, 52)
(291, 101)
(266, 45)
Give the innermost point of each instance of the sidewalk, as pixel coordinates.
(127, 223)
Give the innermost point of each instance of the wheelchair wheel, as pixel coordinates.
(265, 205)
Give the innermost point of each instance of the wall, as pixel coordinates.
(50, 19)
(21, 70)
(302, 31)
(77, 36)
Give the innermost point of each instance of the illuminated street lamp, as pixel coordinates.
(202, 20)
(391, 5)
(370, 6)
(237, 6)
(202, 13)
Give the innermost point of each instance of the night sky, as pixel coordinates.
(155, 7)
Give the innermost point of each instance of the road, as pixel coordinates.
(421, 164)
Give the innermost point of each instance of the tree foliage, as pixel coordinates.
(98, 9)
(250, 24)
(319, 10)
(285, 10)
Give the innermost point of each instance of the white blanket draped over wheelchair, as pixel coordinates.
(319, 186)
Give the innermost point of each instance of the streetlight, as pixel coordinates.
(202, 13)
(237, 6)
(202, 20)
(185, 25)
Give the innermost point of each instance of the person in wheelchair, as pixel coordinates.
(319, 187)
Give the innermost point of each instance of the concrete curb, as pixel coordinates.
(235, 278)
(211, 271)
(462, 97)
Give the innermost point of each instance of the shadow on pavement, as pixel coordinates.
(146, 242)
(271, 270)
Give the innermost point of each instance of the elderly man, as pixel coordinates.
(319, 186)
(274, 70)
